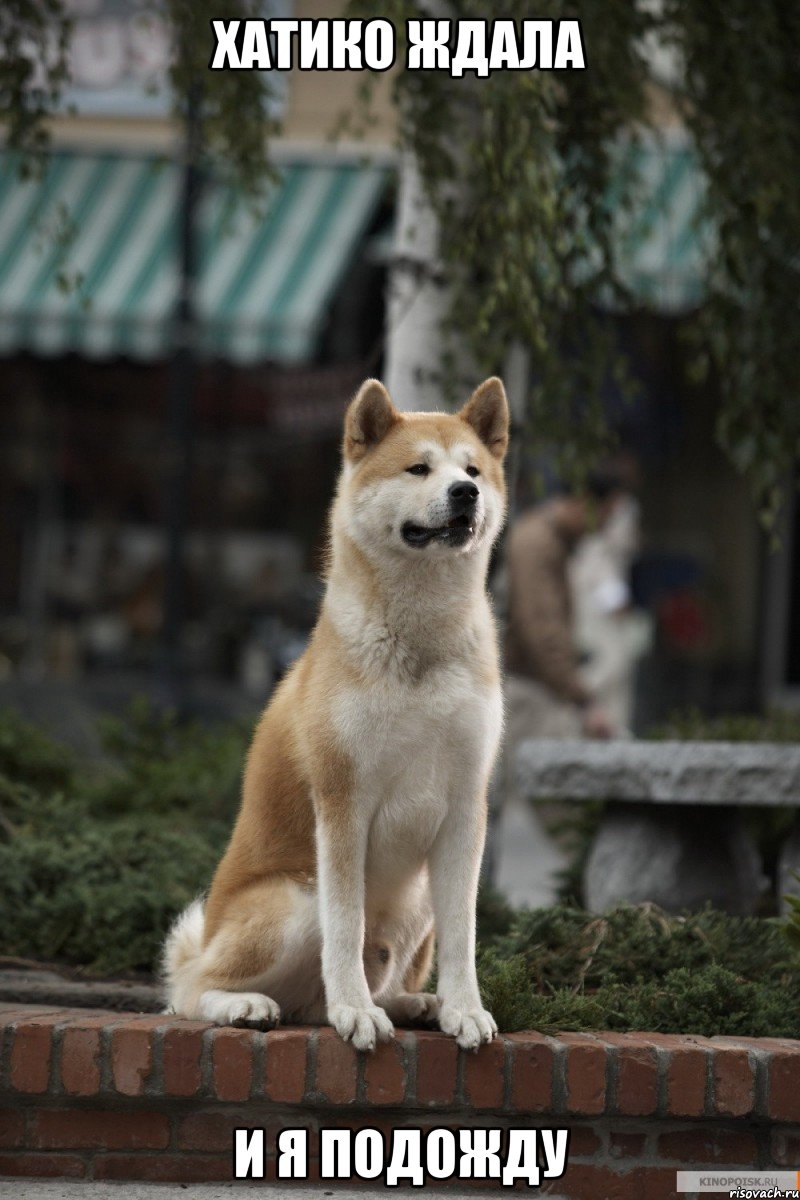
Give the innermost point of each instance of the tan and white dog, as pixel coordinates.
(364, 802)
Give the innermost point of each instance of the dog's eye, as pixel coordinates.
(419, 469)
(472, 471)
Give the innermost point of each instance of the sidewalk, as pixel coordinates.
(527, 858)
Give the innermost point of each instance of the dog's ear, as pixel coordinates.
(369, 418)
(487, 412)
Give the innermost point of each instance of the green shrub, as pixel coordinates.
(160, 765)
(95, 863)
(692, 725)
(637, 968)
(30, 756)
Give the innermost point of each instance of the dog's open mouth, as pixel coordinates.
(456, 532)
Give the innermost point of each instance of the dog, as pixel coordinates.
(363, 812)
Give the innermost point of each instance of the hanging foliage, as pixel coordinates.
(742, 105)
(520, 168)
(34, 36)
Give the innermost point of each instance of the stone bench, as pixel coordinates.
(672, 832)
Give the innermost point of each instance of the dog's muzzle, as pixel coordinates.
(462, 498)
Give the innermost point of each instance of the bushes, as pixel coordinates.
(637, 968)
(96, 860)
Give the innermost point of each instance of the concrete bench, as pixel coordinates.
(672, 832)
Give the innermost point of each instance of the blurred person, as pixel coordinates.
(611, 634)
(547, 695)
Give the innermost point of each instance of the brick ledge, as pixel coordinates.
(122, 1095)
(84, 1052)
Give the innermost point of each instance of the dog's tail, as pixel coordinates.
(180, 959)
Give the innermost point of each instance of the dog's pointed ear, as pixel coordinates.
(369, 418)
(487, 412)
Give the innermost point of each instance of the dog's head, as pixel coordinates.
(424, 484)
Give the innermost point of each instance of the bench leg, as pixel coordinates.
(676, 856)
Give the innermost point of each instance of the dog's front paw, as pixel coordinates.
(469, 1026)
(361, 1026)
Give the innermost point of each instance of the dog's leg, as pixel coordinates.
(262, 957)
(341, 857)
(412, 1003)
(454, 865)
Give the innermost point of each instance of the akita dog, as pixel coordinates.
(363, 814)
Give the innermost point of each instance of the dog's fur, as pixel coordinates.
(363, 812)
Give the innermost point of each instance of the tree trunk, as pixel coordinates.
(417, 300)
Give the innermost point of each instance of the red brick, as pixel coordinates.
(658, 1183)
(182, 1049)
(734, 1083)
(209, 1131)
(131, 1059)
(687, 1072)
(80, 1061)
(77, 1129)
(709, 1147)
(624, 1145)
(586, 1074)
(31, 1053)
(12, 1128)
(484, 1075)
(785, 1147)
(784, 1085)
(385, 1073)
(437, 1063)
(41, 1166)
(285, 1079)
(532, 1073)
(582, 1181)
(165, 1168)
(337, 1067)
(232, 1063)
(637, 1074)
(584, 1142)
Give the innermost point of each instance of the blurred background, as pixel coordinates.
(175, 359)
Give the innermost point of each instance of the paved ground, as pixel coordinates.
(527, 858)
(49, 1189)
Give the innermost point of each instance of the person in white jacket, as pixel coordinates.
(610, 634)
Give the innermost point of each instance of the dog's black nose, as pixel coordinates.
(462, 494)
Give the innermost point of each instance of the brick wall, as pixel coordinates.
(118, 1096)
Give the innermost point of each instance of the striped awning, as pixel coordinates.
(89, 257)
(663, 245)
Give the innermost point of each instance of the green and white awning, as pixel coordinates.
(88, 257)
(662, 244)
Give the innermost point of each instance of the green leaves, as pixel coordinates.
(637, 968)
(519, 168)
(791, 925)
(96, 859)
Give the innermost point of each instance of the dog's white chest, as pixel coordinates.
(415, 750)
